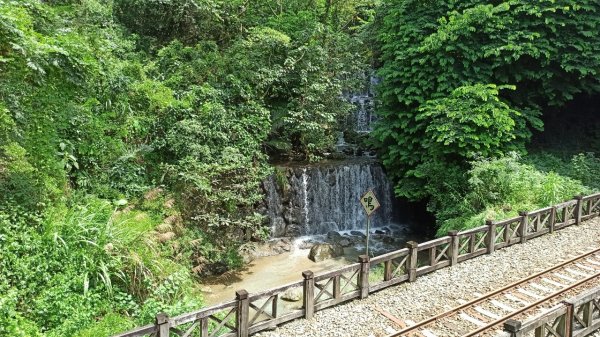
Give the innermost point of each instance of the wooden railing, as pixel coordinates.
(248, 314)
(575, 317)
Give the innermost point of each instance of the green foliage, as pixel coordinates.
(64, 269)
(584, 167)
(438, 58)
(110, 324)
(470, 121)
(191, 96)
(497, 189)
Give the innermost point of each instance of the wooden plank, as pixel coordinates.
(278, 290)
(469, 256)
(428, 269)
(194, 315)
(352, 267)
(392, 255)
(332, 302)
(385, 284)
(141, 331)
(434, 243)
(391, 317)
(274, 322)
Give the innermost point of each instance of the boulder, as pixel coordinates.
(307, 244)
(334, 236)
(357, 233)
(251, 251)
(292, 295)
(345, 243)
(324, 251)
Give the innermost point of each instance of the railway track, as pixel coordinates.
(484, 315)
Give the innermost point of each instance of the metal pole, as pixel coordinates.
(368, 232)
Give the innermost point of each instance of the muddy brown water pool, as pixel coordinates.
(269, 272)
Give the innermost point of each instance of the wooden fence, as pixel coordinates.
(250, 313)
(575, 317)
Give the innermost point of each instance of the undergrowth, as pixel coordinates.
(499, 188)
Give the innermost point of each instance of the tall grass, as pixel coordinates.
(500, 188)
(62, 271)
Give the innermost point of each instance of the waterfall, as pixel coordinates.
(364, 106)
(323, 197)
(305, 198)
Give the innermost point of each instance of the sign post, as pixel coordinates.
(370, 204)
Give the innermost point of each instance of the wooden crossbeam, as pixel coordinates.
(222, 323)
(260, 310)
(348, 281)
(324, 289)
(442, 253)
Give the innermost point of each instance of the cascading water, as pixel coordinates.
(329, 192)
(305, 199)
(364, 103)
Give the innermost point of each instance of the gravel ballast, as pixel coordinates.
(444, 289)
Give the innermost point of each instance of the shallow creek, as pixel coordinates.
(273, 271)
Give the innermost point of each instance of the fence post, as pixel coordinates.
(491, 236)
(363, 276)
(309, 294)
(387, 271)
(241, 322)
(162, 321)
(513, 327)
(454, 247)
(578, 209)
(567, 324)
(552, 220)
(523, 226)
(412, 260)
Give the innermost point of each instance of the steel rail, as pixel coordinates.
(485, 297)
(531, 306)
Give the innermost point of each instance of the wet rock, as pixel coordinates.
(250, 251)
(334, 236)
(357, 233)
(324, 251)
(292, 295)
(307, 244)
(345, 243)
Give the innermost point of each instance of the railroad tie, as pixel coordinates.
(584, 267)
(486, 312)
(554, 283)
(565, 277)
(525, 299)
(516, 299)
(530, 294)
(471, 319)
(541, 287)
(577, 273)
(503, 306)
(428, 333)
(594, 262)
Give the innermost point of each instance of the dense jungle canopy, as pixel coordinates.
(134, 134)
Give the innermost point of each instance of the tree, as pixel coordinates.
(435, 52)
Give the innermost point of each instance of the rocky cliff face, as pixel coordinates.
(315, 199)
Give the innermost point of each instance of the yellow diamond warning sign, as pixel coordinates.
(369, 202)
